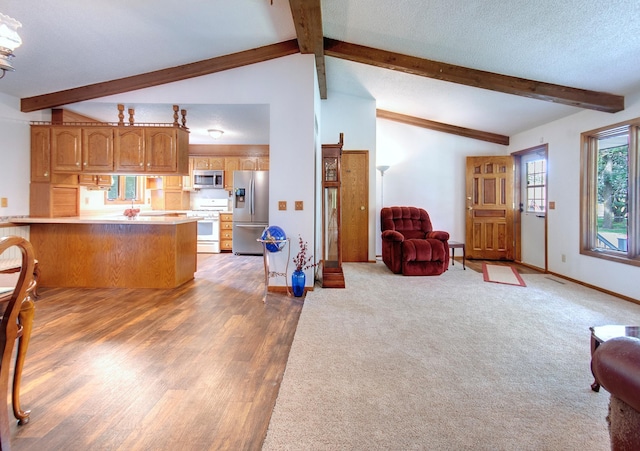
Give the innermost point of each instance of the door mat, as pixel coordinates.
(501, 274)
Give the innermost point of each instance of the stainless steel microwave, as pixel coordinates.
(203, 178)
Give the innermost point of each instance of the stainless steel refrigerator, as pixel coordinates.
(250, 210)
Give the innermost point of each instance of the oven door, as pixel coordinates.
(209, 229)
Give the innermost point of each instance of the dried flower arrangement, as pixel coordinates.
(301, 260)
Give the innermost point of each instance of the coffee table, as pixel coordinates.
(600, 334)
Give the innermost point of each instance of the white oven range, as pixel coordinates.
(209, 226)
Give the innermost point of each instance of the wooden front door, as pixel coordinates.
(355, 206)
(490, 208)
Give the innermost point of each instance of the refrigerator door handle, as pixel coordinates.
(248, 226)
(253, 196)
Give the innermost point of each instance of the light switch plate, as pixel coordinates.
(299, 205)
(552, 205)
(282, 205)
(4, 202)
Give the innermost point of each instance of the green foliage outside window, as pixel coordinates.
(613, 182)
(124, 188)
(130, 188)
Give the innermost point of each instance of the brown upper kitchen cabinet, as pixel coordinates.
(76, 149)
(97, 149)
(99, 181)
(248, 163)
(66, 149)
(187, 180)
(173, 182)
(40, 154)
(230, 164)
(159, 150)
(129, 149)
(161, 146)
(263, 163)
(210, 163)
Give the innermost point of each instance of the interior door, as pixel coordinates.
(490, 208)
(533, 194)
(355, 206)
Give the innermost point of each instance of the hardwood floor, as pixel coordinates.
(195, 367)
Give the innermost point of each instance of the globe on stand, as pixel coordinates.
(274, 233)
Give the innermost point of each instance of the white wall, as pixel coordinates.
(563, 138)
(15, 161)
(427, 170)
(356, 118)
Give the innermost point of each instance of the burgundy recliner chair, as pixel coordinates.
(410, 245)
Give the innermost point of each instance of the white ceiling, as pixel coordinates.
(588, 44)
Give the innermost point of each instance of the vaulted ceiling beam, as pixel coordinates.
(445, 128)
(159, 77)
(307, 18)
(565, 95)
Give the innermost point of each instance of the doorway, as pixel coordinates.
(490, 212)
(355, 205)
(531, 193)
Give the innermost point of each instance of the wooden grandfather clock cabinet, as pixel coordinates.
(332, 275)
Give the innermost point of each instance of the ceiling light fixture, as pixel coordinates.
(9, 41)
(215, 134)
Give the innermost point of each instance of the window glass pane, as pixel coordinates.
(613, 183)
(536, 180)
(112, 194)
(331, 227)
(130, 187)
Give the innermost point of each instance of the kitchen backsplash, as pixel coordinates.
(92, 201)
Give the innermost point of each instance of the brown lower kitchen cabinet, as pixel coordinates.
(226, 232)
(146, 252)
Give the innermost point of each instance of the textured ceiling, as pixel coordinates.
(587, 44)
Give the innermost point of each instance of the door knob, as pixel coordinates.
(361, 207)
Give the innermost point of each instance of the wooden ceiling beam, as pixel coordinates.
(307, 18)
(445, 128)
(159, 77)
(565, 95)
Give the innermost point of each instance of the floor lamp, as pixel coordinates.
(382, 168)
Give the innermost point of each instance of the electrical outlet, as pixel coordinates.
(4, 202)
(299, 205)
(564, 258)
(282, 205)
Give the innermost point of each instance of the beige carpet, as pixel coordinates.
(444, 363)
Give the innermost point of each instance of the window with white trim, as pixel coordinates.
(610, 189)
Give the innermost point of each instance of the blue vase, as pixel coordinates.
(297, 283)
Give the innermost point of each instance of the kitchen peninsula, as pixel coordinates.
(114, 251)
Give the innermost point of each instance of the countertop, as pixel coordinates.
(109, 219)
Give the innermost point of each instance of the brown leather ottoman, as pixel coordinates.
(616, 366)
